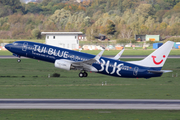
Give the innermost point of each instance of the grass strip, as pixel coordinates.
(29, 79)
(89, 114)
(114, 52)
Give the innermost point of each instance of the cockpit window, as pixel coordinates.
(15, 43)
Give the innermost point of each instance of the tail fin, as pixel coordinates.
(157, 58)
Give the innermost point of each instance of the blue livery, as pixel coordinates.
(73, 60)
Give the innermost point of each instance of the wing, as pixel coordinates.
(87, 65)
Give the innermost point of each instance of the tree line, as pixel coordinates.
(118, 19)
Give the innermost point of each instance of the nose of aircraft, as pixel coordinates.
(8, 46)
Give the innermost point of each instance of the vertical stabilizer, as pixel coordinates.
(157, 58)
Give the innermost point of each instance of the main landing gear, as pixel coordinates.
(83, 74)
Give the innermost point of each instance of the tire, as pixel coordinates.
(81, 75)
(19, 60)
(85, 74)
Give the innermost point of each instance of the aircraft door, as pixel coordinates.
(135, 72)
(24, 47)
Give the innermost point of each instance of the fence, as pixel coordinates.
(113, 46)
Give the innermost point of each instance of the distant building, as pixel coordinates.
(82, 37)
(27, 1)
(140, 38)
(79, 1)
(67, 40)
(152, 37)
(147, 37)
(102, 37)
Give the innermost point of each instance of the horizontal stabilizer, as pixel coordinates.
(159, 72)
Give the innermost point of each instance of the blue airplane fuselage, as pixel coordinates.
(106, 66)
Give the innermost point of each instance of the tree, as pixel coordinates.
(129, 4)
(107, 5)
(159, 15)
(149, 22)
(45, 2)
(120, 6)
(177, 6)
(145, 10)
(33, 8)
(60, 17)
(5, 26)
(15, 18)
(36, 33)
(79, 20)
(163, 26)
(14, 5)
(87, 21)
(5, 11)
(50, 26)
(172, 3)
(110, 27)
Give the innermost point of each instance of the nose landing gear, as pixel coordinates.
(83, 74)
(19, 60)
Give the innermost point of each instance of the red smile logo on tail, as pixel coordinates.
(157, 63)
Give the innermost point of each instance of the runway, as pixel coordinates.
(146, 104)
(123, 56)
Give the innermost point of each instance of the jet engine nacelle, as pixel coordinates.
(63, 64)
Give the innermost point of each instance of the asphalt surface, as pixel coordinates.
(123, 56)
(90, 104)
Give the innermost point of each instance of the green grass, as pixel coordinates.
(5, 52)
(13, 40)
(29, 79)
(130, 52)
(88, 115)
(114, 52)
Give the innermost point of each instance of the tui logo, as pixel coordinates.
(157, 63)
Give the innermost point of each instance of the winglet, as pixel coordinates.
(118, 55)
(99, 55)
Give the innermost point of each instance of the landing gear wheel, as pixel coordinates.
(85, 74)
(19, 60)
(81, 74)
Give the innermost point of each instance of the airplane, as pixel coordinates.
(73, 60)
